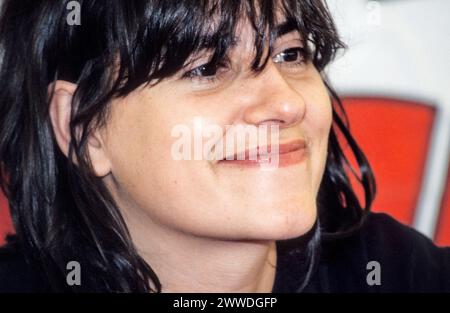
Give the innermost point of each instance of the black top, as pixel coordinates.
(408, 262)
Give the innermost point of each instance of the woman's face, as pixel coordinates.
(226, 199)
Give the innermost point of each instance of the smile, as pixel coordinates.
(288, 154)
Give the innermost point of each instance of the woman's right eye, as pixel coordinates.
(210, 72)
(204, 70)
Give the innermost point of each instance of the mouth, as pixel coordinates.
(287, 154)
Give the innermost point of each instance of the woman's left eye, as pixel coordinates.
(293, 56)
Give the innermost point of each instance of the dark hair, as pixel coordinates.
(63, 212)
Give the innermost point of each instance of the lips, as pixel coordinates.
(289, 153)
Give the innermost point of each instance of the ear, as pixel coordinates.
(60, 107)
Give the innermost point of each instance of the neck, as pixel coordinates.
(187, 263)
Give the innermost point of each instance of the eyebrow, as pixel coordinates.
(285, 28)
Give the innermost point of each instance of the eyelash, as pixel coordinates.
(209, 79)
(302, 57)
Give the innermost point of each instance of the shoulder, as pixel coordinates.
(386, 235)
(16, 273)
(408, 261)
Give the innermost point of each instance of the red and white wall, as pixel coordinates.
(395, 82)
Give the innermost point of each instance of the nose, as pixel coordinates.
(274, 100)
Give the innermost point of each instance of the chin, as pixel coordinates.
(286, 224)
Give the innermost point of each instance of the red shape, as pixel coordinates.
(442, 237)
(394, 135)
(5, 220)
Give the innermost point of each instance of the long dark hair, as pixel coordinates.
(63, 212)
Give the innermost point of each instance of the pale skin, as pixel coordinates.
(201, 226)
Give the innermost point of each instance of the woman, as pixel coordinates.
(89, 120)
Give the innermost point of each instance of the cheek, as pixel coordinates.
(140, 131)
(317, 123)
(139, 145)
(319, 119)
(319, 106)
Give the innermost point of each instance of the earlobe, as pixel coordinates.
(98, 156)
(60, 109)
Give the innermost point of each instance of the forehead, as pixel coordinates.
(245, 32)
(246, 27)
